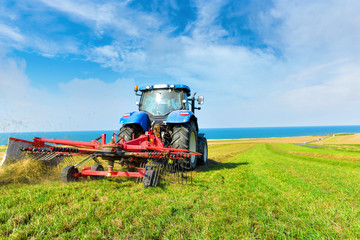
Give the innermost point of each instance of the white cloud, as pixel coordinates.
(80, 104)
(11, 33)
(319, 45)
(12, 37)
(313, 29)
(338, 93)
(118, 57)
(111, 15)
(207, 26)
(50, 48)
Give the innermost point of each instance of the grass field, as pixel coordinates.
(248, 190)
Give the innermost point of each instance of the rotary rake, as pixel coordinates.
(145, 157)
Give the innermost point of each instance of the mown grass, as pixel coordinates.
(336, 151)
(246, 191)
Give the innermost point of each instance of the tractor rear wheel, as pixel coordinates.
(203, 149)
(67, 174)
(127, 131)
(97, 167)
(184, 136)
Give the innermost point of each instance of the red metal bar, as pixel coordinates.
(94, 144)
(86, 172)
(103, 139)
(25, 141)
(137, 147)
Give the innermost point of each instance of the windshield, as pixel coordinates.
(161, 101)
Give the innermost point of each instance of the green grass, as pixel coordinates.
(332, 151)
(249, 191)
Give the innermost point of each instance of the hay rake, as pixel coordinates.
(146, 158)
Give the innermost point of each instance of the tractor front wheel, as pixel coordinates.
(67, 174)
(184, 136)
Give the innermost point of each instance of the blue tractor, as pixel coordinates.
(169, 111)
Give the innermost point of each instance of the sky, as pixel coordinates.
(72, 64)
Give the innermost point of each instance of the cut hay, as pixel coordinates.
(27, 171)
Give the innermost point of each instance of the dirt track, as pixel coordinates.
(341, 139)
(267, 140)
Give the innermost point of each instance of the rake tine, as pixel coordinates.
(53, 156)
(164, 169)
(36, 156)
(174, 172)
(171, 174)
(142, 165)
(164, 172)
(46, 157)
(159, 166)
(84, 161)
(156, 168)
(178, 172)
(69, 158)
(42, 156)
(137, 179)
(73, 162)
(168, 173)
(22, 155)
(182, 176)
(66, 159)
(32, 156)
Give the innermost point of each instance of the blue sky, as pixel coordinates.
(72, 64)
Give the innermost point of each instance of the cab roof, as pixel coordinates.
(166, 86)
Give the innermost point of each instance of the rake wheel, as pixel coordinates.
(203, 149)
(97, 167)
(67, 174)
(150, 177)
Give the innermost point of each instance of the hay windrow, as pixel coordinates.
(27, 171)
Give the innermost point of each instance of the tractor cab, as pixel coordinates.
(162, 105)
(160, 100)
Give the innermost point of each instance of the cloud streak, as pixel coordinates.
(12, 33)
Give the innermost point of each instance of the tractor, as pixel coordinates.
(170, 111)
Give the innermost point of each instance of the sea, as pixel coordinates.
(210, 133)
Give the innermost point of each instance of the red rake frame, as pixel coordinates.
(146, 146)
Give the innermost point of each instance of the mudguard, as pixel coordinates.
(135, 117)
(179, 116)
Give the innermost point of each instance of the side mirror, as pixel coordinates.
(200, 100)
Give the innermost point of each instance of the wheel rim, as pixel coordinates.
(192, 147)
(71, 172)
